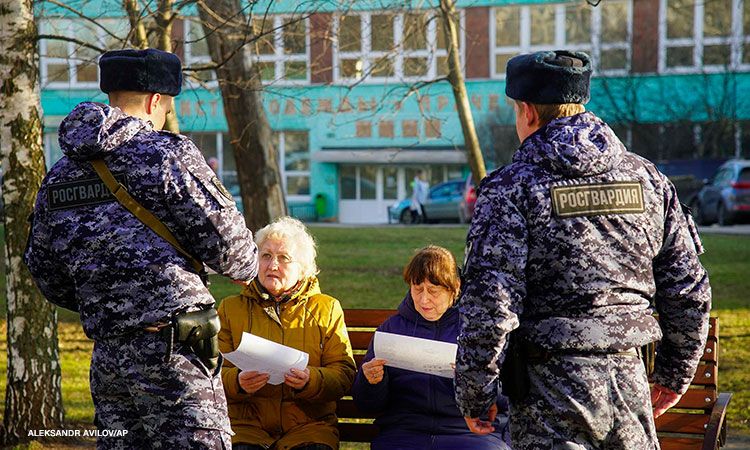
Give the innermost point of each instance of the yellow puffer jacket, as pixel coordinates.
(308, 321)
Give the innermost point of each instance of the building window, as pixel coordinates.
(282, 49)
(197, 55)
(66, 64)
(377, 46)
(52, 151)
(294, 161)
(216, 145)
(703, 36)
(603, 32)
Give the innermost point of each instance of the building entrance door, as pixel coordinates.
(366, 192)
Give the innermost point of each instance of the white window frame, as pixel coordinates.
(279, 57)
(398, 54)
(594, 48)
(736, 40)
(191, 60)
(293, 173)
(70, 61)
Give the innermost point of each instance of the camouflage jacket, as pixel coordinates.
(575, 243)
(87, 253)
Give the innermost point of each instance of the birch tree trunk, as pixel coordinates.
(456, 79)
(33, 398)
(227, 32)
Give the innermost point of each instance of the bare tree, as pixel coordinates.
(33, 398)
(162, 20)
(456, 78)
(228, 32)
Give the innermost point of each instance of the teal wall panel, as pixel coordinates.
(113, 8)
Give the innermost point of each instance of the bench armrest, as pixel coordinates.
(716, 429)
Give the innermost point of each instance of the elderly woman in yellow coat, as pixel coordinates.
(284, 304)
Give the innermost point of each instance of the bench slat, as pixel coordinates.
(683, 423)
(357, 432)
(698, 399)
(360, 339)
(673, 443)
(347, 408)
(706, 374)
(711, 351)
(713, 327)
(366, 317)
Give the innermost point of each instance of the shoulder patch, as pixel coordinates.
(223, 190)
(89, 191)
(598, 199)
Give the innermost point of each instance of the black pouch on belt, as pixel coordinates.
(513, 373)
(199, 330)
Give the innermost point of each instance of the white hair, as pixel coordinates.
(294, 234)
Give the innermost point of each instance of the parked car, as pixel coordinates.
(451, 200)
(726, 197)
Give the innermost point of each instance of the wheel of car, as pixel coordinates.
(723, 216)
(698, 216)
(405, 216)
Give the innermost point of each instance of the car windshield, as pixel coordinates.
(744, 175)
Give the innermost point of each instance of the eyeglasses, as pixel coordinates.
(281, 260)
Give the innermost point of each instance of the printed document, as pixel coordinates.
(416, 354)
(264, 356)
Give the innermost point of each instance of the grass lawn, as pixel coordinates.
(362, 268)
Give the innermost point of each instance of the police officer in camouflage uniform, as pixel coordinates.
(575, 245)
(89, 254)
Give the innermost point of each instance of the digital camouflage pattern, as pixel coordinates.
(87, 253)
(617, 413)
(589, 278)
(99, 259)
(163, 405)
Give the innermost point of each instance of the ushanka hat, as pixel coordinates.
(148, 70)
(549, 77)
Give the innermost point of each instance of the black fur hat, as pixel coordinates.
(148, 70)
(551, 77)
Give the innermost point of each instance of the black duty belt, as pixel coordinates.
(536, 353)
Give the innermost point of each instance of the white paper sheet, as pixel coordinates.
(264, 356)
(416, 354)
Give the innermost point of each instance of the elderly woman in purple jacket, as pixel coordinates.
(417, 410)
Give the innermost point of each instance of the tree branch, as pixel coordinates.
(83, 16)
(137, 34)
(70, 39)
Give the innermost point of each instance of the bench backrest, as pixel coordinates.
(683, 428)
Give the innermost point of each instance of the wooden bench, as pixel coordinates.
(698, 422)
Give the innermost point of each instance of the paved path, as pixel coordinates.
(737, 442)
(743, 229)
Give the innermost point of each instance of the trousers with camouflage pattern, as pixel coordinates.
(162, 404)
(589, 402)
